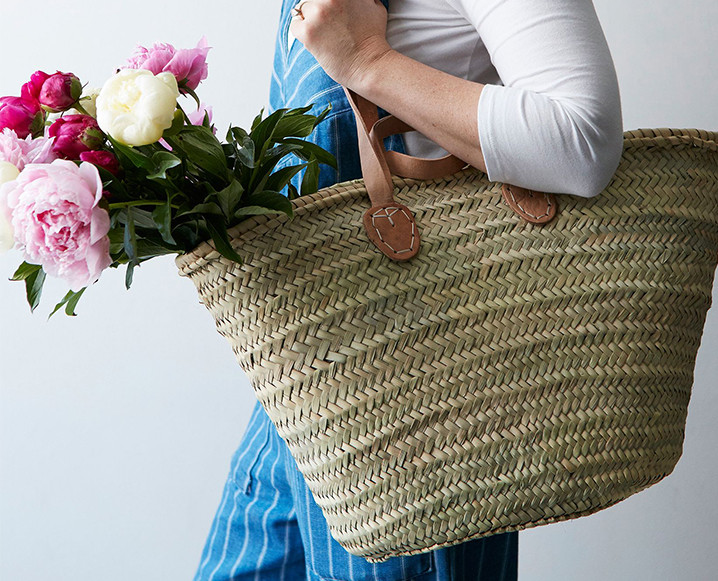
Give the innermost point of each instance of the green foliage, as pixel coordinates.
(167, 201)
(34, 277)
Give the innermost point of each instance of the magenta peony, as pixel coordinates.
(57, 220)
(23, 116)
(75, 134)
(57, 92)
(189, 66)
(103, 159)
(21, 152)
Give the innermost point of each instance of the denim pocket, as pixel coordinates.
(251, 450)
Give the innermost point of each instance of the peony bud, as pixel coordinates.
(135, 107)
(75, 134)
(103, 159)
(56, 92)
(24, 117)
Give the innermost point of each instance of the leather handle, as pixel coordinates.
(378, 164)
(389, 225)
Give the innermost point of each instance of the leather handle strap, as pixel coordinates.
(408, 166)
(378, 164)
(374, 167)
(391, 226)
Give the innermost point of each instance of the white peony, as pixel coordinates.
(135, 106)
(8, 172)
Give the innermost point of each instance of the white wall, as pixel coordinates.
(116, 427)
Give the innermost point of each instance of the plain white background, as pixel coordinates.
(116, 427)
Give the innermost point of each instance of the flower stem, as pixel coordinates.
(118, 205)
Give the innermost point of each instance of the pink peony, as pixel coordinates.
(21, 152)
(189, 66)
(57, 220)
(103, 159)
(23, 116)
(197, 117)
(75, 134)
(57, 92)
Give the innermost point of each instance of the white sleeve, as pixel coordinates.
(555, 125)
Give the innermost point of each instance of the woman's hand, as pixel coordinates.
(347, 37)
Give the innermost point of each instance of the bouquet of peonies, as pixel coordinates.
(91, 179)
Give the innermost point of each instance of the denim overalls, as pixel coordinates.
(268, 526)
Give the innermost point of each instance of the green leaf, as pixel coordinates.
(34, 277)
(271, 200)
(148, 249)
(33, 288)
(262, 133)
(281, 178)
(307, 150)
(162, 161)
(131, 155)
(310, 181)
(162, 217)
(177, 124)
(255, 211)
(24, 270)
(218, 231)
(236, 134)
(277, 152)
(292, 193)
(203, 149)
(323, 114)
(70, 301)
(117, 240)
(130, 245)
(257, 119)
(294, 126)
(202, 209)
(230, 197)
(245, 153)
(140, 218)
(130, 274)
(185, 89)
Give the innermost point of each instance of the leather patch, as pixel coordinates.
(535, 207)
(392, 229)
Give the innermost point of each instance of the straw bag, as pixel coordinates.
(510, 374)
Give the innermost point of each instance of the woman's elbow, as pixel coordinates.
(599, 154)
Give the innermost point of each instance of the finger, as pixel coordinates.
(310, 8)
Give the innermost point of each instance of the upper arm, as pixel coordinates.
(556, 123)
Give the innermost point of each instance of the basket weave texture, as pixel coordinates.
(510, 375)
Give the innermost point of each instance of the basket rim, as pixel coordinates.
(633, 139)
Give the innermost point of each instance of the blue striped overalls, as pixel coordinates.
(268, 526)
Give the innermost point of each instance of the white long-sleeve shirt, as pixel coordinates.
(549, 117)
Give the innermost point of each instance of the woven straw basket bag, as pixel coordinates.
(510, 374)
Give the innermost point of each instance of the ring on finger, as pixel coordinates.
(297, 10)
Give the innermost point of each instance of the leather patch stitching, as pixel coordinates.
(548, 202)
(388, 216)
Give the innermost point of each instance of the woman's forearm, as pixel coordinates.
(441, 106)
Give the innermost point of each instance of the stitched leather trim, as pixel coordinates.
(532, 206)
(392, 229)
